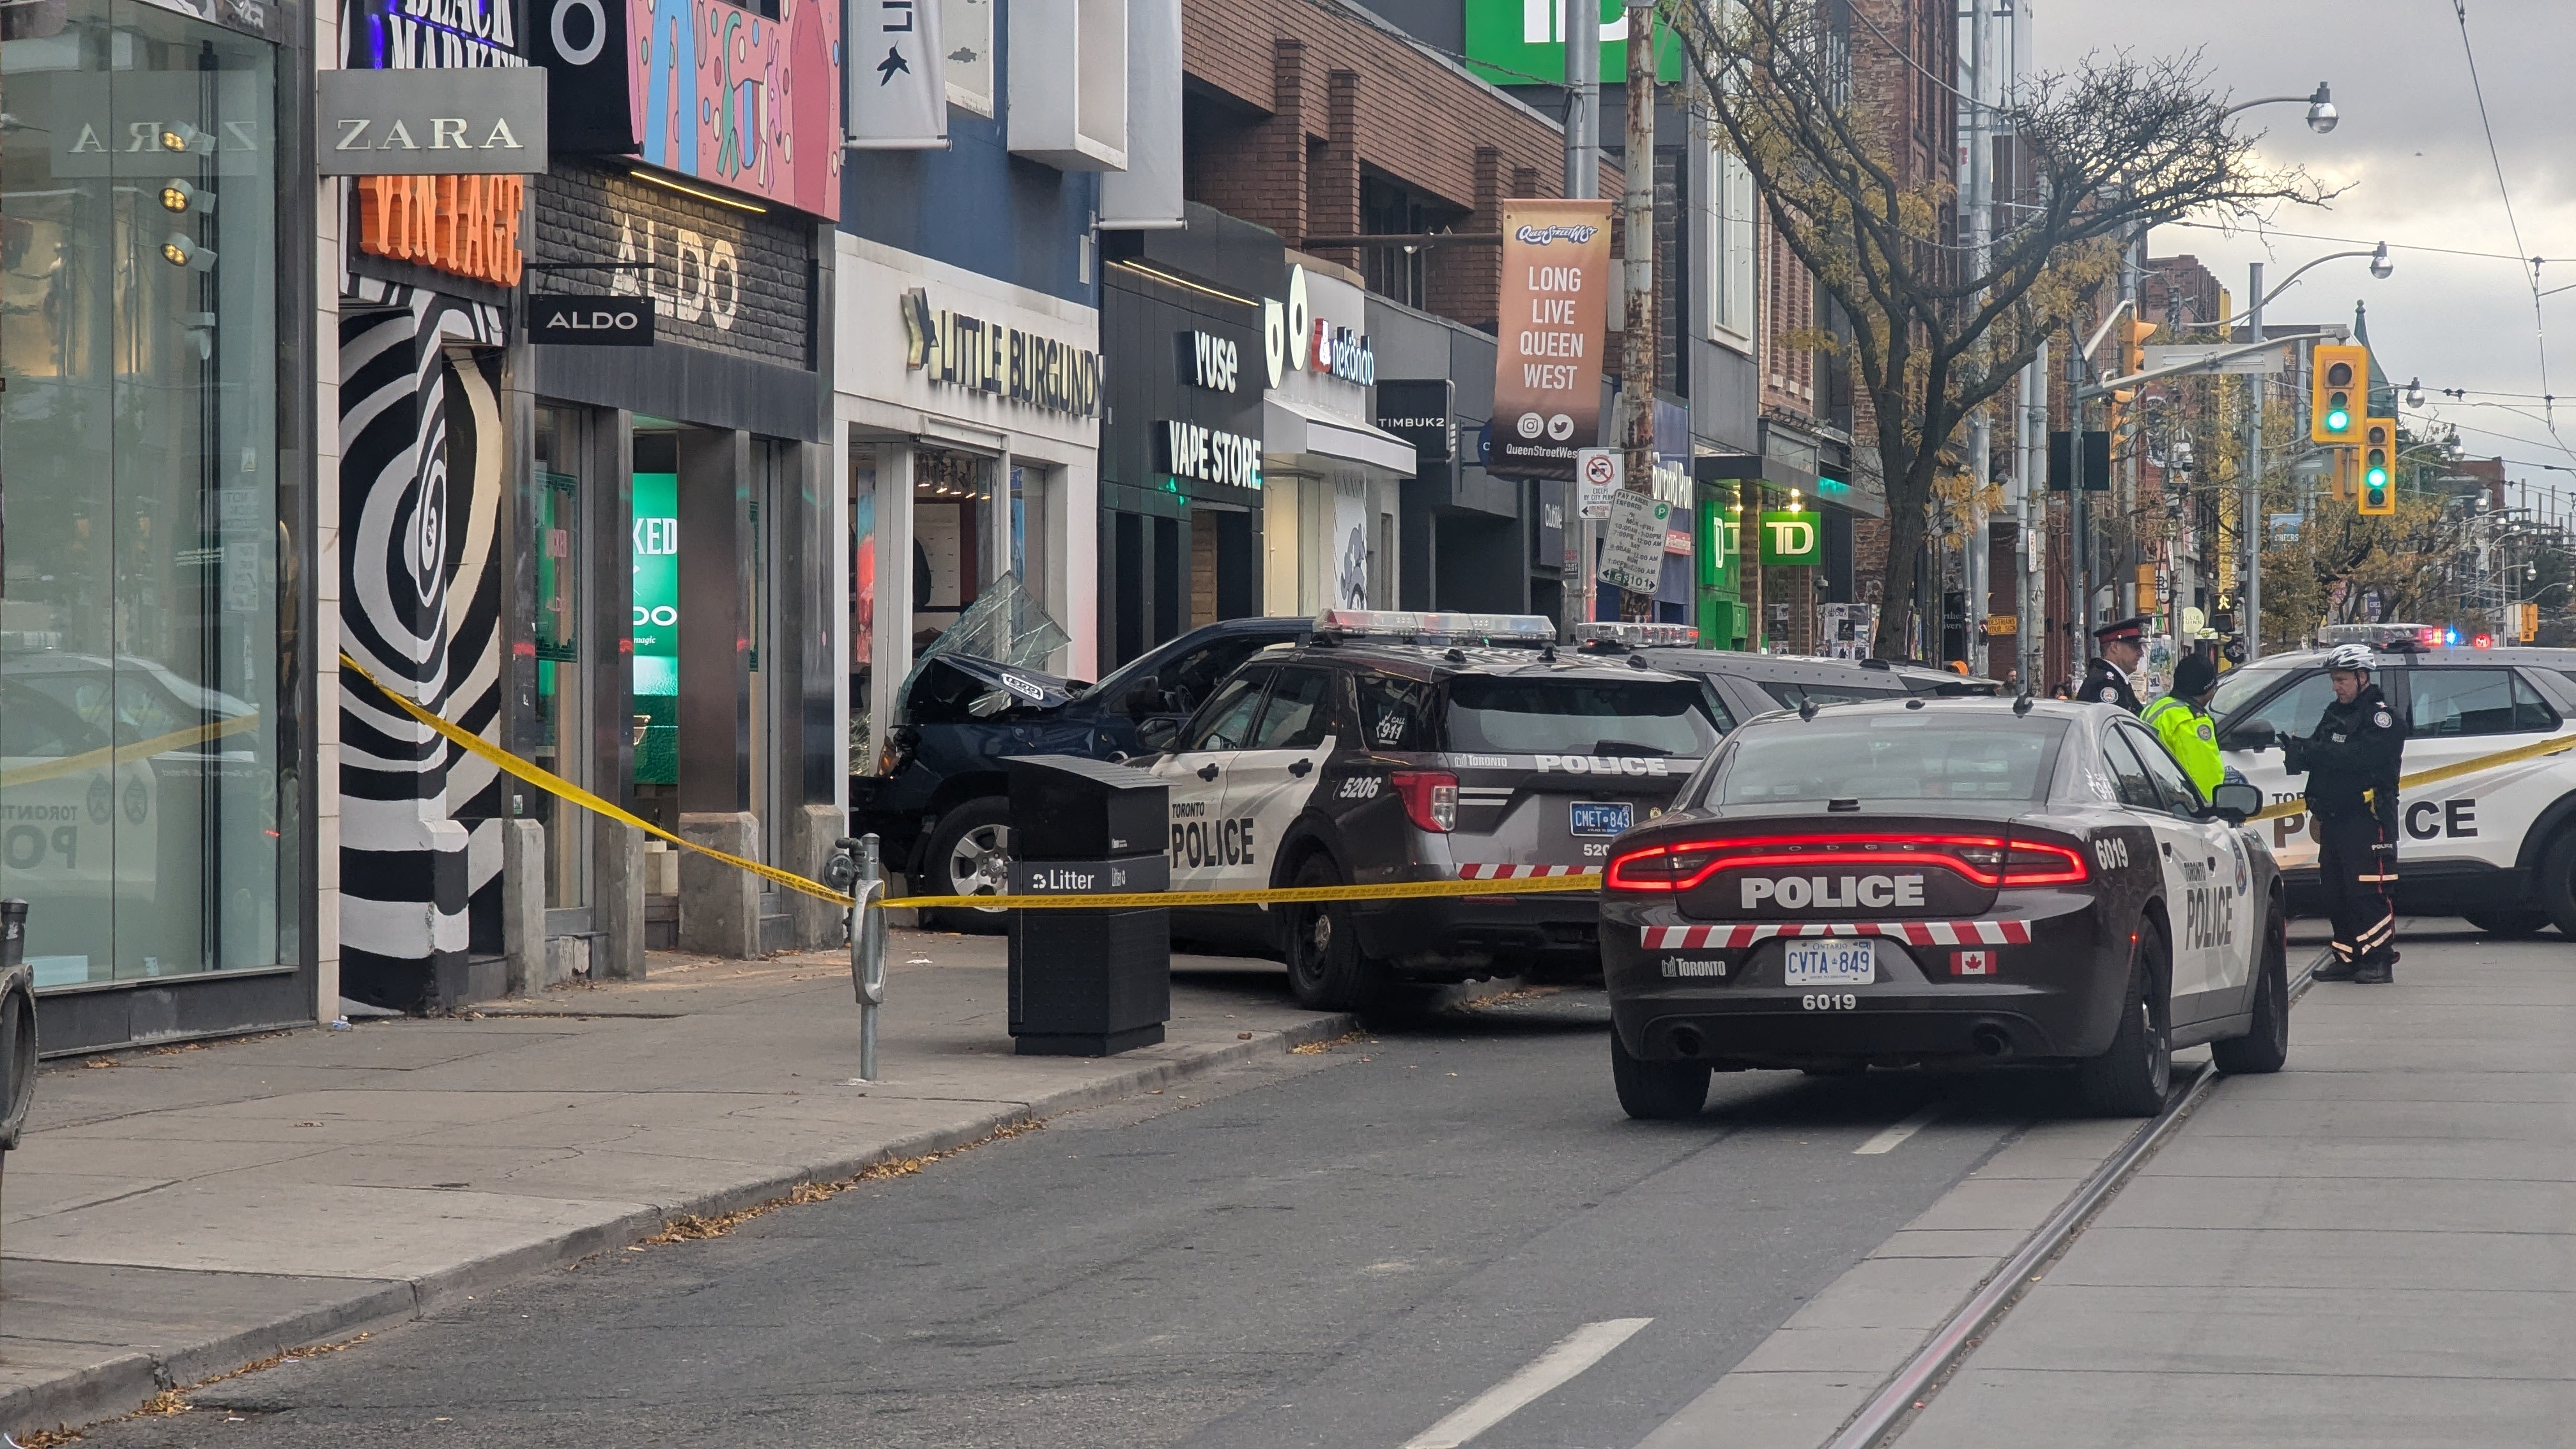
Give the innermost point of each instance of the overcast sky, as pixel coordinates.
(2414, 160)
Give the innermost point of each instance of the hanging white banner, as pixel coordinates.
(1147, 195)
(897, 77)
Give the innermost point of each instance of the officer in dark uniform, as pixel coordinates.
(2351, 764)
(2118, 646)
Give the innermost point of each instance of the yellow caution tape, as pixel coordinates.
(126, 754)
(2557, 745)
(557, 785)
(1275, 896)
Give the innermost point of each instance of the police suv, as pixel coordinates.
(1404, 747)
(2498, 844)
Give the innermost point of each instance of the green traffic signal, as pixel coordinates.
(2338, 420)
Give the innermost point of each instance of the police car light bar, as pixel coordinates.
(2383, 636)
(1532, 629)
(1637, 635)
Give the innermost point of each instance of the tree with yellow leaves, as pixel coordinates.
(1933, 332)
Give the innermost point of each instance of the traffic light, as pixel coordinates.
(2378, 466)
(2133, 346)
(2339, 392)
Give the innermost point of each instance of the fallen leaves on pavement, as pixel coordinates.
(693, 1228)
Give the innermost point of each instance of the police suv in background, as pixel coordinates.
(2497, 845)
(1402, 747)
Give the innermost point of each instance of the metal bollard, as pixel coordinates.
(17, 1026)
(867, 941)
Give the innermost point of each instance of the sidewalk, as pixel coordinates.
(2376, 1246)
(178, 1213)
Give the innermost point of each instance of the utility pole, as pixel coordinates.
(2079, 600)
(1638, 359)
(2030, 426)
(2249, 506)
(1580, 23)
(1972, 565)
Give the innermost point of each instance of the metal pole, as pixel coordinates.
(1973, 571)
(1640, 345)
(1579, 22)
(2250, 506)
(867, 947)
(2030, 420)
(2079, 600)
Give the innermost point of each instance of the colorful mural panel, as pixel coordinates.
(723, 94)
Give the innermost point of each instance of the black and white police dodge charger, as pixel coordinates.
(1403, 747)
(1942, 882)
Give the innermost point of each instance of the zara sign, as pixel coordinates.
(469, 121)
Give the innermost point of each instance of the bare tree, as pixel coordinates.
(1935, 332)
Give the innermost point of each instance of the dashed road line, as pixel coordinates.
(1572, 1354)
(1894, 1137)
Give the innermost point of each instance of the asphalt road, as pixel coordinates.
(1330, 1249)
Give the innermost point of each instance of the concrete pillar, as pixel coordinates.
(617, 902)
(719, 904)
(715, 627)
(810, 833)
(523, 907)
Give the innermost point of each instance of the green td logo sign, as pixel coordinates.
(1522, 42)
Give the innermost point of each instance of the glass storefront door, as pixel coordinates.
(555, 628)
(141, 744)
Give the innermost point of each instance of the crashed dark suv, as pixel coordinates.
(939, 800)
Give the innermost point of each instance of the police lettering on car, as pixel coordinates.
(1950, 882)
(1404, 747)
(2496, 842)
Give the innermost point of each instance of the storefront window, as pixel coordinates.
(555, 631)
(141, 748)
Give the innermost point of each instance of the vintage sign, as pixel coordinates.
(479, 121)
(590, 321)
(1206, 455)
(1547, 362)
(968, 352)
(1792, 536)
(897, 77)
(465, 225)
(1632, 544)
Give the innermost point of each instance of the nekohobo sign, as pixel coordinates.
(467, 121)
(1547, 359)
(1632, 546)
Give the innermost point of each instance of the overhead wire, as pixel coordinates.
(2539, 321)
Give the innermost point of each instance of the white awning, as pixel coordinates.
(1291, 428)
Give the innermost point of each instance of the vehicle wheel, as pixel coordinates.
(2554, 894)
(970, 855)
(2509, 923)
(1326, 971)
(2130, 1079)
(2266, 1045)
(1657, 1091)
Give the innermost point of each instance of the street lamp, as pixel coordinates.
(2320, 104)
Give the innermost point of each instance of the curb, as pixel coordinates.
(106, 1390)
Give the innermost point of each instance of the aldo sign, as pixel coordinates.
(591, 321)
(467, 121)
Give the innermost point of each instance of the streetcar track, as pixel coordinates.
(1906, 1393)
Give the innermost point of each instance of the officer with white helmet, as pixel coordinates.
(2351, 761)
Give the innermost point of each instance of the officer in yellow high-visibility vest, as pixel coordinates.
(2181, 719)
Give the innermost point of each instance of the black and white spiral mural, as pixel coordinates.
(420, 499)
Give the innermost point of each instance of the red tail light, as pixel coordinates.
(1989, 860)
(1430, 798)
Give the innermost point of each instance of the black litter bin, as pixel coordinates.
(1088, 983)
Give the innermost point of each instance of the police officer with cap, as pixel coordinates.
(2122, 643)
(2351, 764)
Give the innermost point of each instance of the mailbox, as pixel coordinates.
(1088, 982)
